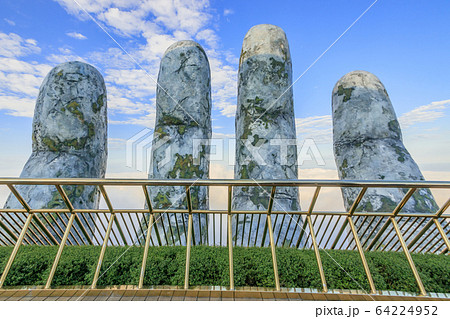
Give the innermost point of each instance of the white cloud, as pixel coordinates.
(425, 113)
(159, 23)
(76, 35)
(10, 22)
(17, 106)
(227, 12)
(319, 128)
(19, 80)
(13, 45)
(64, 55)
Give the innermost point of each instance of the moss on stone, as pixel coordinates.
(346, 92)
(91, 130)
(343, 167)
(73, 107)
(73, 193)
(394, 127)
(173, 120)
(181, 129)
(365, 207)
(160, 132)
(420, 204)
(400, 152)
(185, 168)
(387, 205)
(259, 197)
(161, 200)
(91, 196)
(76, 143)
(279, 67)
(60, 73)
(51, 144)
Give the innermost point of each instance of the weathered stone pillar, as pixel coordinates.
(69, 141)
(368, 145)
(265, 136)
(182, 133)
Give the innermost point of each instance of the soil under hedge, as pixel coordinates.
(209, 267)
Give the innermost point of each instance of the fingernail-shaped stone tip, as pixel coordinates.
(184, 43)
(361, 107)
(70, 113)
(265, 39)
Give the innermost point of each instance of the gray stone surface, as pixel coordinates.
(368, 146)
(264, 120)
(182, 133)
(69, 139)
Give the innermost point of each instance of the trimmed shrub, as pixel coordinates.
(209, 267)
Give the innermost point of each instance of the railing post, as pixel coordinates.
(313, 238)
(60, 250)
(272, 241)
(144, 257)
(408, 256)
(317, 253)
(230, 239)
(102, 252)
(189, 239)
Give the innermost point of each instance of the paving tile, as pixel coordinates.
(178, 295)
(306, 296)
(153, 295)
(281, 296)
(90, 295)
(332, 297)
(215, 296)
(247, 295)
(165, 295)
(103, 295)
(116, 295)
(227, 295)
(128, 295)
(18, 295)
(319, 297)
(191, 295)
(267, 295)
(203, 295)
(294, 296)
(140, 295)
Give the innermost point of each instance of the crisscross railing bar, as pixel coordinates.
(111, 210)
(60, 250)
(145, 255)
(103, 250)
(362, 256)
(408, 257)
(350, 212)
(16, 249)
(28, 208)
(325, 231)
(442, 233)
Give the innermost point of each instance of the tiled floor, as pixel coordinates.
(124, 293)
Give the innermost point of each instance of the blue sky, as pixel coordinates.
(405, 43)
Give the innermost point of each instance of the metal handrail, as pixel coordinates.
(115, 228)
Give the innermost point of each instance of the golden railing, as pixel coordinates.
(412, 232)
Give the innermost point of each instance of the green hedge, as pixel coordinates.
(209, 267)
